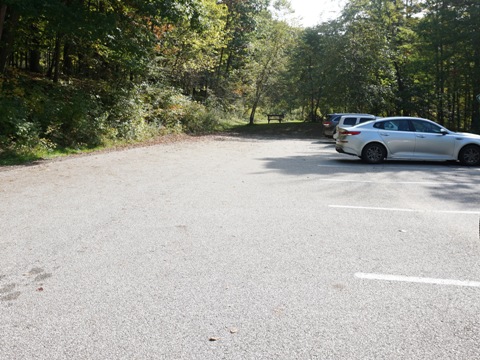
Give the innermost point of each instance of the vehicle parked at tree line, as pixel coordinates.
(331, 122)
(407, 138)
(352, 120)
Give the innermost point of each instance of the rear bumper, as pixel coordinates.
(328, 132)
(343, 150)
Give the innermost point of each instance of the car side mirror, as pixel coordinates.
(444, 132)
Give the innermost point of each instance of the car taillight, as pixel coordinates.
(327, 123)
(346, 132)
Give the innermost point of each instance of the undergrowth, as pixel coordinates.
(40, 119)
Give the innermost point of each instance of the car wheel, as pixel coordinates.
(470, 155)
(374, 153)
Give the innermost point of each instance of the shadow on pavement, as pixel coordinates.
(448, 181)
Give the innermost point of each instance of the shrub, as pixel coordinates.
(40, 116)
(17, 133)
(71, 119)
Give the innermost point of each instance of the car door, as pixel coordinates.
(431, 142)
(398, 137)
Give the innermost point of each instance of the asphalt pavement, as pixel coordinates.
(239, 248)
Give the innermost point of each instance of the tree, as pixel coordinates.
(240, 27)
(9, 18)
(381, 40)
(268, 58)
(190, 53)
(306, 69)
(3, 13)
(450, 35)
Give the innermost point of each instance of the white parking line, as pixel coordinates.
(399, 182)
(413, 279)
(405, 210)
(398, 166)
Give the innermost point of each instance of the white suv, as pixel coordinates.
(352, 120)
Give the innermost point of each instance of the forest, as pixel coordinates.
(79, 74)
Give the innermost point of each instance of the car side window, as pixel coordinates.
(393, 125)
(425, 126)
(403, 125)
(362, 120)
(349, 121)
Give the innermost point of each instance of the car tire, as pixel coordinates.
(470, 155)
(374, 153)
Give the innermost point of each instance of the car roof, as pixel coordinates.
(341, 114)
(403, 118)
(359, 115)
(378, 119)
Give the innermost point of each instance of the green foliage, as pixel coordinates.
(15, 129)
(268, 57)
(75, 121)
(170, 111)
(45, 116)
(387, 57)
(81, 74)
(41, 117)
(450, 59)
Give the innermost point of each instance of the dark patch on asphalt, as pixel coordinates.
(9, 291)
(42, 277)
(11, 296)
(35, 271)
(7, 288)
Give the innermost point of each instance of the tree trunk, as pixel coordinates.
(34, 61)
(252, 114)
(54, 70)
(67, 58)
(476, 92)
(229, 62)
(56, 73)
(402, 103)
(8, 38)
(3, 12)
(34, 54)
(312, 107)
(317, 105)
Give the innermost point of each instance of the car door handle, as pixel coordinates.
(384, 134)
(421, 136)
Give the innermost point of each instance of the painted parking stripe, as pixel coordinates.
(397, 166)
(405, 210)
(398, 182)
(413, 279)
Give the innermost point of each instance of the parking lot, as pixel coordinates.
(239, 248)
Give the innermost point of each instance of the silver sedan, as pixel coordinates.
(407, 138)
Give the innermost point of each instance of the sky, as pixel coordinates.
(314, 12)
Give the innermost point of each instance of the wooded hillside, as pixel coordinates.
(81, 73)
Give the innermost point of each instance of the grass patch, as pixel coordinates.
(9, 159)
(285, 130)
(296, 129)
